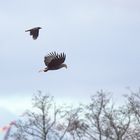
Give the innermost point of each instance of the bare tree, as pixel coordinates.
(95, 116)
(98, 120)
(73, 124)
(18, 132)
(134, 104)
(105, 121)
(133, 133)
(39, 122)
(48, 122)
(119, 122)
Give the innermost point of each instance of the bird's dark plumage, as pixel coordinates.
(54, 61)
(34, 32)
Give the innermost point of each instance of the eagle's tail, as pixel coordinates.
(43, 70)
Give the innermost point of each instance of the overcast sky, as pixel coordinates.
(100, 39)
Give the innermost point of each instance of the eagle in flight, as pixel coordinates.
(34, 32)
(54, 61)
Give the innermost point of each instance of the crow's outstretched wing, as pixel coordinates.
(34, 32)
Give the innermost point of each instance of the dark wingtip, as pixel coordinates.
(64, 55)
(56, 55)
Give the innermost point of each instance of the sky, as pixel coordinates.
(100, 39)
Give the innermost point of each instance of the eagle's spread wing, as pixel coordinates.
(54, 60)
(48, 58)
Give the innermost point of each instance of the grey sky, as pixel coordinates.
(100, 39)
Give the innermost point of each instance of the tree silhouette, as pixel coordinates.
(99, 119)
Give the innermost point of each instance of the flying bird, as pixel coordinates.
(54, 61)
(34, 32)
